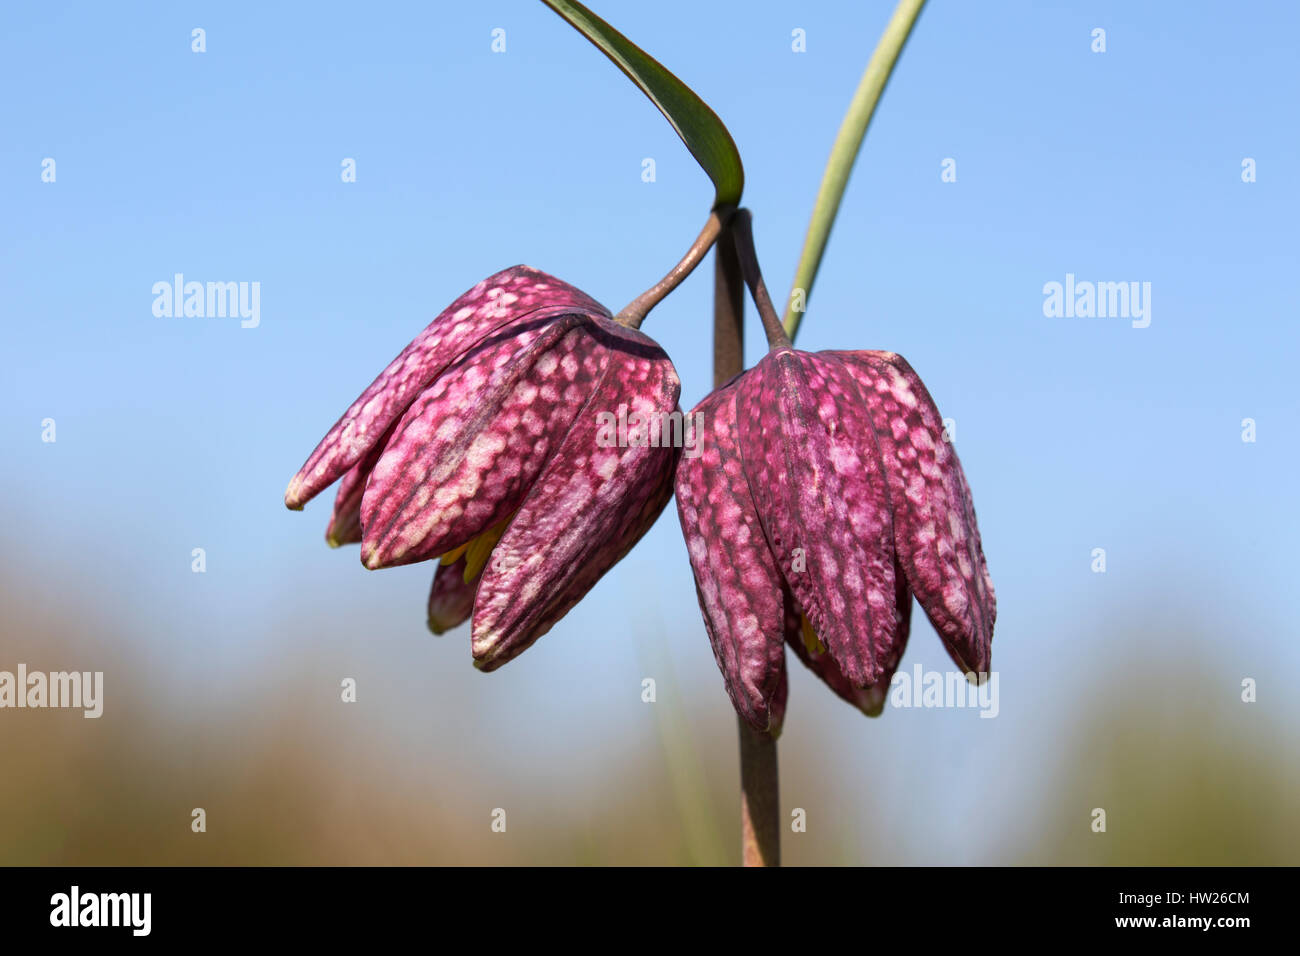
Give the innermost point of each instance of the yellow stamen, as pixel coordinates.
(451, 557)
(480, 548)
(810, 639)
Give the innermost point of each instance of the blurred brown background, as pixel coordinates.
(288, 774)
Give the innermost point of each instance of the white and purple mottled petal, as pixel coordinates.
(468, 449)
(736, 578)
(451, 598)
(500, 302)
(937, 538)
(587, 508)
(870, 699)
(345, 521)
(809, 454)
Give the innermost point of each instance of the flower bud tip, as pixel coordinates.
(291, 499)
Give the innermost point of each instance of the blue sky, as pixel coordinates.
(176, 433)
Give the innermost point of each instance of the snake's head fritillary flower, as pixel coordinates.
(827, 496)
(481, 445)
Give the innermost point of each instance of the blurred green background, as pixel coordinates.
(288, 774)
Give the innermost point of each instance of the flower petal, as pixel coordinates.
(450, 599)
(345, 522)
(736, 578)
(935, 532)
(589, 506)
(810, 457)
(870, 699)
(467, 450)
(510, 297)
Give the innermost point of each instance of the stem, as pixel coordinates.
(845, 150)
(744, 233)
(634, 313)
(760, 806)
(728, 311)
(760, 831)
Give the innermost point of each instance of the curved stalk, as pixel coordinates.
(741, 226)
(634, 313)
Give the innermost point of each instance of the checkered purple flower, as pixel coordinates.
(826, 497)
(478, 446)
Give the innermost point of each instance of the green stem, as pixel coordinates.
(845, 151)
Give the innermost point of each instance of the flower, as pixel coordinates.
(826, 497)
(479, 445)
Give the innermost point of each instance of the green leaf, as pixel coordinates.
(698, 126)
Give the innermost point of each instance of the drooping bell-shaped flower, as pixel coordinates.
(485, 443)
(825, 497)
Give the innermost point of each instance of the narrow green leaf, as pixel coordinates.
(698, 126)
(845, 151)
